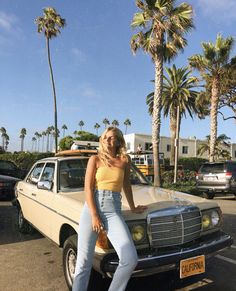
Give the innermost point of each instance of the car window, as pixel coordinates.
(71, 174)
(5, 165)
(48, 172)
(231, 167)
(34, 175)
(212, 168)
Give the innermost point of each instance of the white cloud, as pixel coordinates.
(218, 10)
(79, 55)
(7, 21)
(89, 92)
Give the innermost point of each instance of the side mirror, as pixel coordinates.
(44, 185)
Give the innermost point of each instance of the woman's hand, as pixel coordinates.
(97, 224)
(139, 209)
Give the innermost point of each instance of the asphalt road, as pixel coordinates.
(31, 262)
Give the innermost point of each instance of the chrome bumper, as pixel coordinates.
(156, 263)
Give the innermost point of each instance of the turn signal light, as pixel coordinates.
(228, 174)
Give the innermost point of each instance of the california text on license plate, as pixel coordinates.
(192, 266)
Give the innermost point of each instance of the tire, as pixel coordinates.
(208, 195)
(69, 259)
(22, 223)
(69, 262)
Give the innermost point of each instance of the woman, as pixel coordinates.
(107, 173)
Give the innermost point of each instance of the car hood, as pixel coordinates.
(8, 178)
(154, 198)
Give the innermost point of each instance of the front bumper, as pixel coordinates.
(158, 261)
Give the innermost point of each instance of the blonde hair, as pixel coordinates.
(103, 152)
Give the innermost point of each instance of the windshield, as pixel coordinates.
(72, 174)
(212, 168)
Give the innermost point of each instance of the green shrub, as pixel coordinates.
(191, 164)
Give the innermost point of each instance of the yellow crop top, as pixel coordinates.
(109, 178)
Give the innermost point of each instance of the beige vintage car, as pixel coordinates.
(177, 231)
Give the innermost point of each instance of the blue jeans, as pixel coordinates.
(109, 208)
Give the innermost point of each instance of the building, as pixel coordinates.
(187, 146)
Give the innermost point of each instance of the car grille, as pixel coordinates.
(175, 226)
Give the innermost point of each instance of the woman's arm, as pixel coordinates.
(128, 190)
(89, 190)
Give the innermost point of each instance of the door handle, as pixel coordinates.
(33, 194)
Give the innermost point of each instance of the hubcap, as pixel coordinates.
(71, 261)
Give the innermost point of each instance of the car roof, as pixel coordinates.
(70, 154)
(219, 162)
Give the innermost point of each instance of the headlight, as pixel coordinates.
(138, 233)
(215, 218)
(211, 219)
(206, 221)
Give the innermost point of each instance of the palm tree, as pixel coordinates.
(127, 123)
(6, 138)
(213, 65)
(3, 132)
(97, 126)
(162, 27)
(106, 122)
(81, 124)
(37, 135)
(50, 23)
(23, 133)
(177, 93)
(115, 123)
(43, 135)
(220, 147)
(75, 133)
(33, 144)
(64, 128)
(48, 132)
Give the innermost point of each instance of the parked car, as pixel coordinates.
(7, 185)
(8, 168)
(218, 177)
(177, 231)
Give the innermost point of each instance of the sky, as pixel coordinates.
(96, 74)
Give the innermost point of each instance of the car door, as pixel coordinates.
(28, 190)
(43, 211)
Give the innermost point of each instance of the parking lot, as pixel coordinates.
(31, 262)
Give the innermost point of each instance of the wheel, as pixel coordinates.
(208, 195)
(69, 262)
(22, 223)
(69, 259)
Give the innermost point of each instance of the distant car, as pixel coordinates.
(7, 185)
(176, 232)
(8, 168)
(217, 177)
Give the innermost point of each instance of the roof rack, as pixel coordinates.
(76, 153)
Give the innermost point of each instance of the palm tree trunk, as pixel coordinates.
(156, 118)
(213, 114)
(3, 143)
(54, 92)
(21, 147)
(173, 128)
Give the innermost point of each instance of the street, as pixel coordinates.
(32, 262)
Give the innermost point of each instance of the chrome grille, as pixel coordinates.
(174, 226)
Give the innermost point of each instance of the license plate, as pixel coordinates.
(209, 178)
(192, 266)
